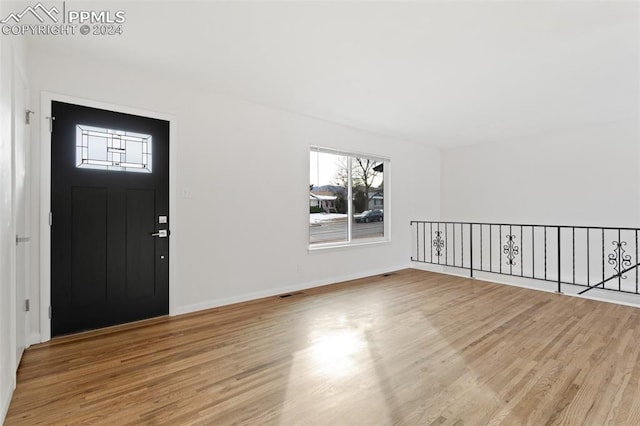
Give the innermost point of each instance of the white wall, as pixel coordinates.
(243, 233)
(11, 55)
(579, 176)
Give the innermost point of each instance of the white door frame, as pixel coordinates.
(20, 82)
(45, 197)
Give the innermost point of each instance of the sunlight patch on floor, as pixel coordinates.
(323, 377)
(335, 354)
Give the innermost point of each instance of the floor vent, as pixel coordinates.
(388, 274)
(284, 296)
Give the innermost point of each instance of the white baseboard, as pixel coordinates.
(280, 290)
(425, 267)
(5, 400)
(546, 286)
(34, 338)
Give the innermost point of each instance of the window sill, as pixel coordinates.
(316, 248)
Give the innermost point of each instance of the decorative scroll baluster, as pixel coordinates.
(511, 249)
(618, 259)
(438, 243)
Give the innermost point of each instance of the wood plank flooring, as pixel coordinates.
(411, 348)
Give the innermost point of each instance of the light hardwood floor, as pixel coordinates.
(412, 348)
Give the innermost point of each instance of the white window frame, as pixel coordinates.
(350, 242)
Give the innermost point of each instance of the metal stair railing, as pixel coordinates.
(604, 258)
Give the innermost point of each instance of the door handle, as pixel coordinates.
(162, 233)
(22, 239)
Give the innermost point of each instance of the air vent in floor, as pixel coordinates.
(284, 296)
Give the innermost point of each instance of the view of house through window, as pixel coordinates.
(346, 197)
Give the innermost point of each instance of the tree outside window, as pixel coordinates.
(335, 178)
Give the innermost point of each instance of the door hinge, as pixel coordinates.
(49, 312)
(27, 305)
(51, 120)
(28, 116)
(20, 239)
(50, 218)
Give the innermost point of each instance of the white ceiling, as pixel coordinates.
(441, 73)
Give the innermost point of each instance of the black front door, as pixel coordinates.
(110, 206)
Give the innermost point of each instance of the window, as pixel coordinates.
(108, 149)
(346, 198)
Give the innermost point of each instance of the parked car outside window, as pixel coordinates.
(369, 216)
